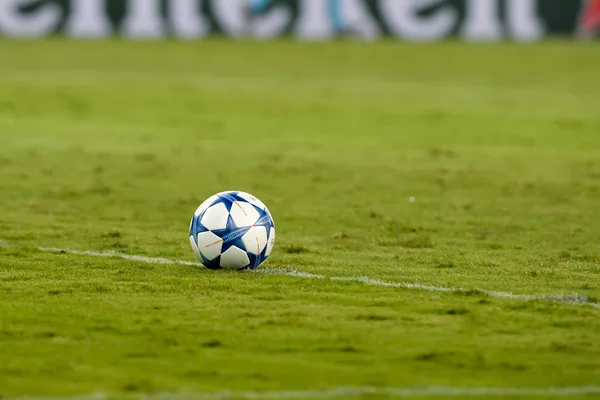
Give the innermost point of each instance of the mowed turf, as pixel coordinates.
(112, 146)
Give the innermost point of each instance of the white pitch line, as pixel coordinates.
(341, 392)
(571, 299)
(149, 260)
(574, 299)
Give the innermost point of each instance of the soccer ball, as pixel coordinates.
(232, 230)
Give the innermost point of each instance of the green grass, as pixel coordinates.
(112, 146)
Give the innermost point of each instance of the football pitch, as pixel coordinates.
(437, 209)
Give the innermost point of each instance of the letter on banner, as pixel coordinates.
(314, 21)
(271, 23)
(232, 16)
(143, 19)
(236, 20)
(321, 18)
(402, 19)
(523, 22)
(88, 19)
(186, 19)
(38, 23)
(357, 18)
(482, 21)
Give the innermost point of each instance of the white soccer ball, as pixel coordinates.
(232, 230)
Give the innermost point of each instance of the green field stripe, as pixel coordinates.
(345, 392)
(569, 299)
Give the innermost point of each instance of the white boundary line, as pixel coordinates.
(341, 392)
(571, 299)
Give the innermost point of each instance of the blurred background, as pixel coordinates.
(521, 20)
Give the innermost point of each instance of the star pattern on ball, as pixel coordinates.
(232, 230)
